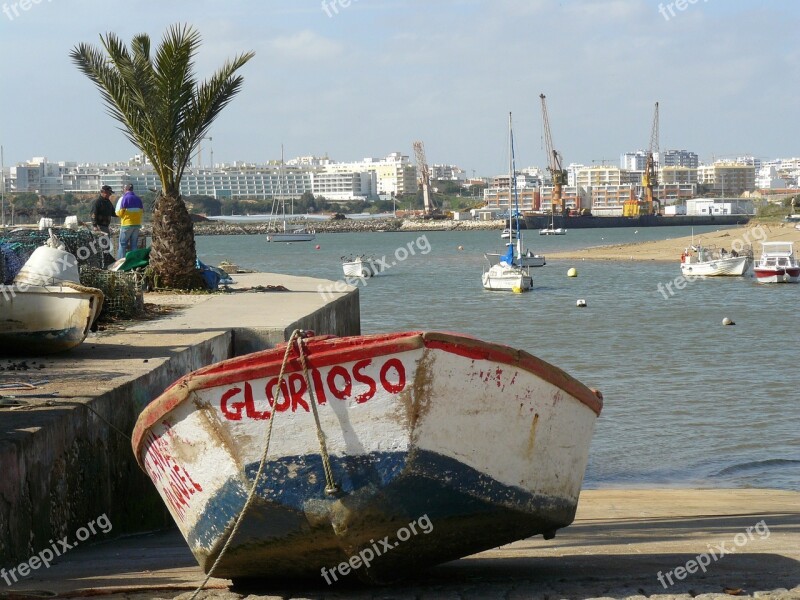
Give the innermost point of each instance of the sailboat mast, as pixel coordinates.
(513, 186)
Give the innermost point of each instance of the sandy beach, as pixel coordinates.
(670, 249)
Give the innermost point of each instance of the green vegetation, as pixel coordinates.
(165, 112)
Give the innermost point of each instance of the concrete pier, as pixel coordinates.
(65, 453)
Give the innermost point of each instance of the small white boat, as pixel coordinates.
(508, 234)
(700, 261)
(371, 433)
(552, 231)
(777, 264)
(359, 266)
(507, 278)
(46, 310)
(523, 259)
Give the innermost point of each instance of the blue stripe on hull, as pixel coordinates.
(294, 529)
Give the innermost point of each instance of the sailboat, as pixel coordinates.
(521, 258)
(507, 274)
(552, 230)
(295, 234)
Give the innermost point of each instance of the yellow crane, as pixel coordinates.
(635, 207)
(557, 173)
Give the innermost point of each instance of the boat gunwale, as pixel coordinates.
(251, 366)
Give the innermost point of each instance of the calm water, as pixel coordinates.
(687, 401)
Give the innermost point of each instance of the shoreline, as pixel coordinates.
(670, 250)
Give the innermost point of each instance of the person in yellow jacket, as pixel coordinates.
(129, 210)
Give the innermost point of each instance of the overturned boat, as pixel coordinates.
(476, 443)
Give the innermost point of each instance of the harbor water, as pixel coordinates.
(687, 400)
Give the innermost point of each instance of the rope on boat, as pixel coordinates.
(331, 487)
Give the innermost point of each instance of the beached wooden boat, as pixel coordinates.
(483, 443)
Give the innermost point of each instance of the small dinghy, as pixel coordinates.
(389, 452)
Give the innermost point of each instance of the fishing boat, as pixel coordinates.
(777, 264)
(313, 452)
(46, 309)
(701, 261)
(505, 273)
(358, 266)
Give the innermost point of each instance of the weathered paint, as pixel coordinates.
(44, 320)
(461, 430)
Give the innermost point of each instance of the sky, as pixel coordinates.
(363, 78)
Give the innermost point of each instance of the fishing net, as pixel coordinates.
(124, 291)
(89, 249)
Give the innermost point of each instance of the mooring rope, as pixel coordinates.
(331, 487)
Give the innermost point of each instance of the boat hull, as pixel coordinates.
(37, 320)
(777, 275)
(504, 278)
(732, 266)
(291, 237)
(551, 231)
(359, 268)
(399, 413)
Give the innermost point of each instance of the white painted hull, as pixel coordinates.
(399, 413)
(551, 231)
(359, 268)
(732, 266)
(46, 319)
(504, 278)
(776, 276)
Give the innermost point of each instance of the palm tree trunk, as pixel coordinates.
(172, 253)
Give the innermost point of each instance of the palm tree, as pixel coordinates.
(164, 112)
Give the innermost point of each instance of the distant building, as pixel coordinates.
(677, 174)
(719, 206)
(728, 178)
(633, 161)
(768, 179)
(448, 173)
(676, 158)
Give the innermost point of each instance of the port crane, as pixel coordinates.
(650, 176)
(557, 173)
(424, 179)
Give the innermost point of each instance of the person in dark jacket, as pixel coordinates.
(103, 210)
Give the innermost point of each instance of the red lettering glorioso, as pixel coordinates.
(247, 401)
(174, 481)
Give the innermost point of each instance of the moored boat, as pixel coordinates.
(777, 264)
(358, 266)
(371, 433)
(700, 261)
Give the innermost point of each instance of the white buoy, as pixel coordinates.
(581, 303)
(727, 321)
(573, 272)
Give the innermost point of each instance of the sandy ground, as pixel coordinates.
(619, 544)
(670, 250)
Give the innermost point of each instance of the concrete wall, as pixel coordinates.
(68, 464)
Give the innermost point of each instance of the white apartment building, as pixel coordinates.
(768, 179)
(677, 174)
(448, 173)
(633, 161)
